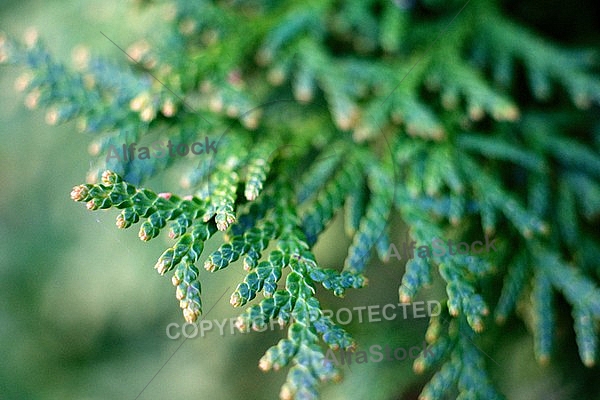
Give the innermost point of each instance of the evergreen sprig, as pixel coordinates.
(324, 106)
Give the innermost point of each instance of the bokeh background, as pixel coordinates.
(82, 312)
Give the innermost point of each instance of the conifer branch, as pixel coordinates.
(321, 108)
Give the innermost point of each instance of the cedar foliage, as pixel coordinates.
(452, 116)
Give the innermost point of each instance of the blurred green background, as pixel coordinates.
(83, 314)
